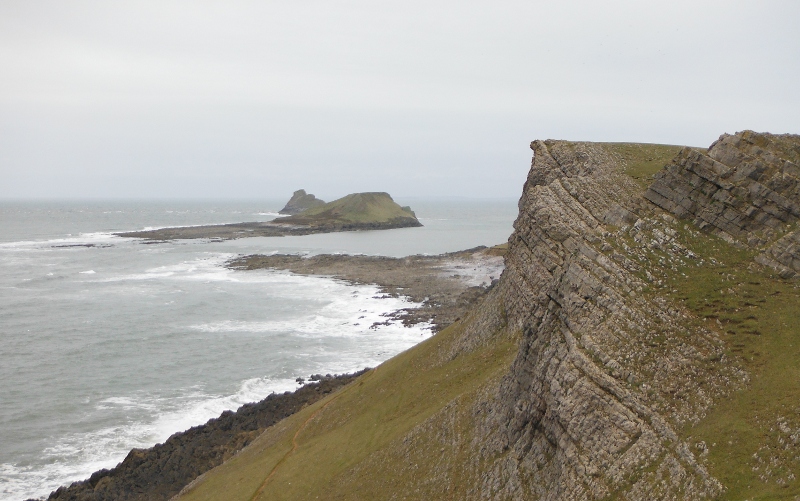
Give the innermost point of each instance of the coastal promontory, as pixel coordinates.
(354, 212)
(642, 343)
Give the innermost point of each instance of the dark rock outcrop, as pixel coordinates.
(162, 471)
(299, 202)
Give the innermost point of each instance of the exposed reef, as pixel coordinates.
(355, 212)
(446, 285)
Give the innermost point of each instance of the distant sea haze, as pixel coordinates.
(110, 343)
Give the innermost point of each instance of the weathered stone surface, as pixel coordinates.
(783, 255)
(603, 377)
(745, 188)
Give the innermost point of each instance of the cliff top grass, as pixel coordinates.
(642, 160)
(753, 434)
(356, 208)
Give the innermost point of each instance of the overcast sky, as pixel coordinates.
(417, 98)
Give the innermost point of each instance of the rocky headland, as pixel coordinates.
(299, 202)
(354, 212)
(642, 343)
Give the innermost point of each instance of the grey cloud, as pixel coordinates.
(199, 99)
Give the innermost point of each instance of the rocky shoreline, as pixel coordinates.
(160, 472)
(446, 285)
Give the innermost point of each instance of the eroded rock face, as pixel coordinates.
(745, 188)
(603, 377)
(301, 201)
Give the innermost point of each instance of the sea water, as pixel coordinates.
(110, 343)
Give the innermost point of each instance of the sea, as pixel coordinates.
(110, 343)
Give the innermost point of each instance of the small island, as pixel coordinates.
(354, 212)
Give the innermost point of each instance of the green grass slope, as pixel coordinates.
(750, 440)
(354, 209)
(337, 448)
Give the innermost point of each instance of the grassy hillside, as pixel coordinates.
(753, 436)
(356, 208)
(641, 161)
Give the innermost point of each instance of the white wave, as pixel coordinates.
(77, 456)
(153, 228)
(94, 238)
(88, 272)
(207, 268)
(273, 214)
(355, 314)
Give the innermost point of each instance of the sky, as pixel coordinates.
(235, 99)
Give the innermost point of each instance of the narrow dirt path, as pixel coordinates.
(302, 427)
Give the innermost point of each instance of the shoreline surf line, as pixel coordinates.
(295, 445)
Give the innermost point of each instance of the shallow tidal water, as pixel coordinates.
(107, 343)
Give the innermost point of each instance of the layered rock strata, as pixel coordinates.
(604, 376)
(745, 189)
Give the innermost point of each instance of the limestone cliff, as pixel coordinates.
(604, 375)
(611, 368)
(745, 188)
